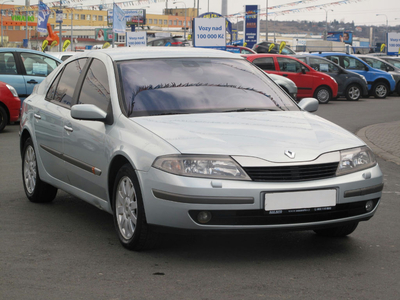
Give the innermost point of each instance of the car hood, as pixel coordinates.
(266, 135)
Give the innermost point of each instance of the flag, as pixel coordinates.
(119, 23)
(106, 45)
(271, 47)
(44, 44)
(281, 46)
(383, 47)
(66, 44)
(43, 17)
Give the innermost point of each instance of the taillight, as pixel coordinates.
(176, 43)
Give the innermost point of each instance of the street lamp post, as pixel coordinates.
(266, 21)
(2, 19)
(387, 30)
(326, 22)
(185, 17)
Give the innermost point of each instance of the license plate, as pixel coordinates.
(299, 200)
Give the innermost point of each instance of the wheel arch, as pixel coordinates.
(25, 134)
(116, 163)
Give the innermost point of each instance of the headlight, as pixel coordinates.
(12, 90)
(216, 167)
(355, 159)
(363, 78)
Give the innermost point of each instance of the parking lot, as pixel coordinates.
(68, 249)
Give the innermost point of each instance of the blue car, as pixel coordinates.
(380, 83)
(23, 68)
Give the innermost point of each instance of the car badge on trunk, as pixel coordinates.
(290, 154)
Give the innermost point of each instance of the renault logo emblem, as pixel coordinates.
(290, 154)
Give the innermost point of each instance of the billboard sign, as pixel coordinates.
(393, 43)
(132, 17)
(136, 39)
(209, 33)
(340, 36)
(104, 34)
(252, 26)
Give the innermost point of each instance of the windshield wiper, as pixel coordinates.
(250, 109)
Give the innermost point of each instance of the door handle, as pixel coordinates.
(37, 116)
(32, 81)
(69, 129)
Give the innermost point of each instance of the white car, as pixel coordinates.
(193, 139)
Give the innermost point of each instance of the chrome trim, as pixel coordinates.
(37, 116)
(201, 199)
(365, 191)
(246, 161)
(72, 161)
(67, 128)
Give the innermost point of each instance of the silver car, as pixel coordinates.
(193, 139)
(286, 84)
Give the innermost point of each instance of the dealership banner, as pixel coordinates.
(119, 23)
(393, 43)
(43, 17)
(252, 26)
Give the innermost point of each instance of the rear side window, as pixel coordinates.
(352, 63)
(38, 65)
(63, 88)
(374, 63)
(322, 65)
(265, 63)
(289, 65)
(95, 89)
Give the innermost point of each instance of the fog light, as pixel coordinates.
(369, 205)
(204, 217)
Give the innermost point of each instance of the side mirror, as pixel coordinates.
(309, 104)
(88, 112)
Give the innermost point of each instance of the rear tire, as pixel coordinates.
(380, 90)
(339, 231)
(323, 94)
(353, 92)
(128, 212)
(36, 190)
(3, 118)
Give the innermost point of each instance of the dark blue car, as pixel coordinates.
(380, 83)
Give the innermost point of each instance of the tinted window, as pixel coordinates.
(265, 63)
(289, 65)
(375, 63)
(63, 90)
(352, 63)
(38, 65)
(7, 63)
(95, 89)
(322, 65)
(197, 85)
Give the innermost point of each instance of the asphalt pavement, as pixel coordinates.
(383, 139)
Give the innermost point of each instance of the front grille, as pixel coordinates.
(292, 173)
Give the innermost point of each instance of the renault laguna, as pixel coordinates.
(191, 139)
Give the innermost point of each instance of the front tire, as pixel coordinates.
(353, 92)
(3, 118)
(36, 190)
(339, 231)
(380, 90)
(128, 211)
(323, 94)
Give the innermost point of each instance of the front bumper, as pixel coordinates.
(175, 201)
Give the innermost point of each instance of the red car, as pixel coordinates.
(10, 105)
(310, 83)
(240, 49)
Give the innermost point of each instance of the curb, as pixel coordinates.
(376, 149)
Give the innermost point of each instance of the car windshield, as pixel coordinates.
(197, 85)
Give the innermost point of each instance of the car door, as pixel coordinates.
(49, 120)
(292, 69)
(85, 143)
(10, 72)
(325, 66)
(36, 67)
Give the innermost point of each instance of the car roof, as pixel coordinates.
(128, 53)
